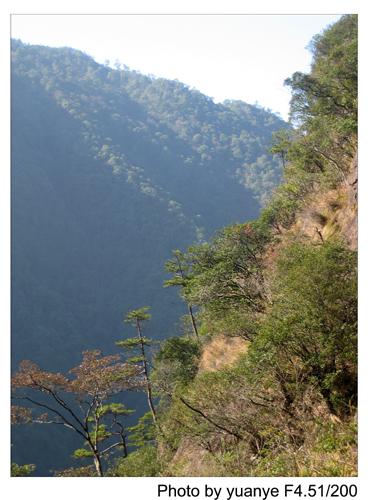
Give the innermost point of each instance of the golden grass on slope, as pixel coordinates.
(222, 351)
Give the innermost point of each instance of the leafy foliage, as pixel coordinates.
(132, 317)
(226, 277)
(143, 462)
(84, 471)
(21, 470)
(311, 328)
(180, 268)
(176, 363)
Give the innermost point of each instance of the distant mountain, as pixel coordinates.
(111, 170)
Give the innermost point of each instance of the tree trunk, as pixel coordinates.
(145, 371)
(190, 310)
(125, 448)
(194, 325)
(98, 464)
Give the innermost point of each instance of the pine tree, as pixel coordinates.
(135, 318)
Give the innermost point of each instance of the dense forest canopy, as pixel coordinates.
(262, 377)
(112, 169)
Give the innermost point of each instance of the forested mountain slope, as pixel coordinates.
(263, 379)
(112, 169)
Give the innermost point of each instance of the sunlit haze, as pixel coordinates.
(226, 57)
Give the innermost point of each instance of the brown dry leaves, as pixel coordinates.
(97, 375)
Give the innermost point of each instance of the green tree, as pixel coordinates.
(324, 102)
(175, 365)
(144, 460)
(179, 267)
(227, 272)
(281, 142)
(135, 318)
(331, 87)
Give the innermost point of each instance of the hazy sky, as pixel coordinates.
(226, 57)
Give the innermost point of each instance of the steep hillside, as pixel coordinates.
(263, 379)
(326, 217)
(274, 389)
(111, 170)
(334, 213)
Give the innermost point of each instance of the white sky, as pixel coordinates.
(226, 57)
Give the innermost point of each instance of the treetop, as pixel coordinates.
(136, 315)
